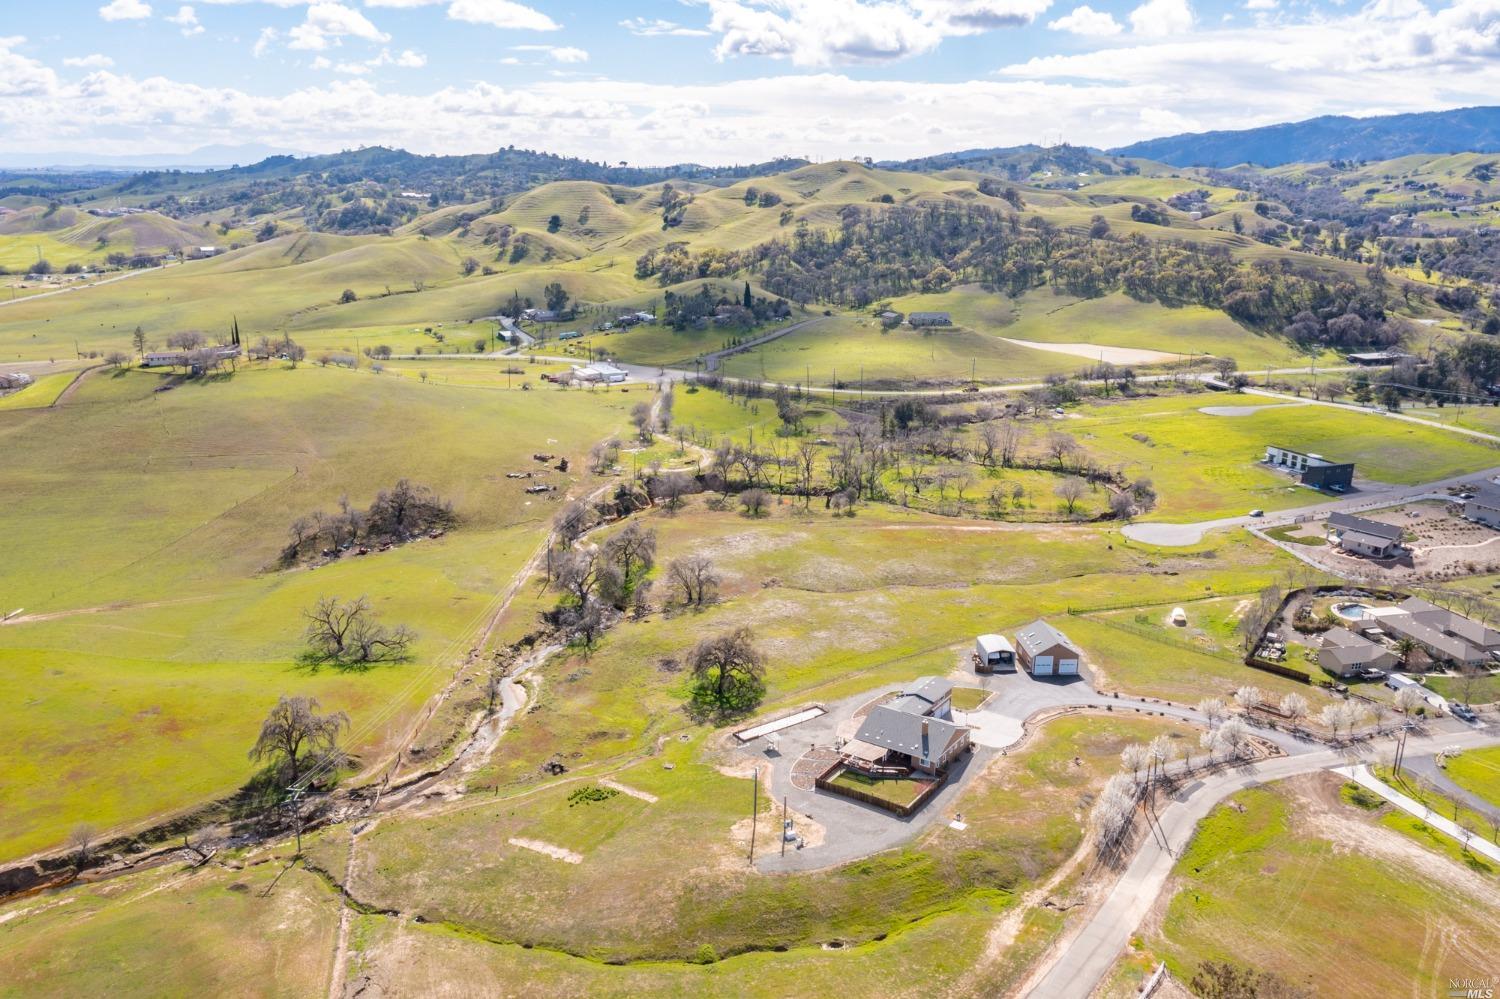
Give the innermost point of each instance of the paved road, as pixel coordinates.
(1083, 961)
(1178, 535)
(80, 287)
(1426, 766)
(1361, 775)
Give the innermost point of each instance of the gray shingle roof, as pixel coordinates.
(1364, 525)
(889, 728)
(1038, 636)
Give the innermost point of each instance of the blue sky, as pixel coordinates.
(716, 80)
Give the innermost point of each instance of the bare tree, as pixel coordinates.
(80, 843)
(1070, 491)
(348, 632)
(1248, 697)
(694, 575)
(633, 550)
(671, 487)
(989, 442)
(571, 522)
(294, 736)
(645, 423)
(754, 502)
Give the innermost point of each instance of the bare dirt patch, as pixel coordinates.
(555, 852)
(633, 792)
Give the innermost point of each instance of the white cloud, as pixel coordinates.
(557, 53)
(264, 41)
(1088, 22)
(186, 19)
(1157, 18)
(1261, 4)
(407, 59)
(822, 32)
(93, 61)
(125, 10)
(21, 76)
(328, 24)
(651, 27)
(501, 14)
(1137, 87)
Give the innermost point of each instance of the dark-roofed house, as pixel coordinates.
(1426, 630)
(1362, 536)
(912, 732)
(1453, 624)
(1484, 506)
(930, 319)
(1045, 651)
(1312, 469)
(1344, 654)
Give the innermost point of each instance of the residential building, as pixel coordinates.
(1484, 506)
(1453, 624)
(993, 652)
(914, 732)
(930, 319)
(1045, 651)
(1440, 646)
(1344, 654)
(1362, 536)
(1312, 469)
(541, 315)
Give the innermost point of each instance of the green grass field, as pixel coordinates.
(39, 394)
(1115, 320)
(143, 527)
(1207, 466)
(1019, 814)
(1477, 770)
(1264, 888)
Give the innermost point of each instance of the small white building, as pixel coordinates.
(600, 372)
(993, 653)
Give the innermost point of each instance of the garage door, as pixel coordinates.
(1042, 666)
(1067, 667)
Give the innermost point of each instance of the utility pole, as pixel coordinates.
(754, 808)
(783, 825)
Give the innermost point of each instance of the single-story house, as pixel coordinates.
(1312, 469)
(1397, 623)
(207, 251)
(1453, 624)
(541, 315)
(993, 652)
(1045, 651)
(1344, 654)
(913, 732)
(1484, 506)
(929, 319)
(1362, 536)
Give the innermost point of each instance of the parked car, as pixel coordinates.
(1257, 513)
(1464, 712)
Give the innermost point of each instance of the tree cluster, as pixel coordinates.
(397, 514)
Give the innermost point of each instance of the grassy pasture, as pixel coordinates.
(850, 347)
(838, 606)
(1206, 465)
(39, 394)
(1263, 886)
(143, 523)
(165, 932)
(1478, 770)
(1020, 815)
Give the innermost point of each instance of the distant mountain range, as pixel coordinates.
(204, 158)
(1332, 137)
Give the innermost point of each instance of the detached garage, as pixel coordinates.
(993, 653)
(1045, 651)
